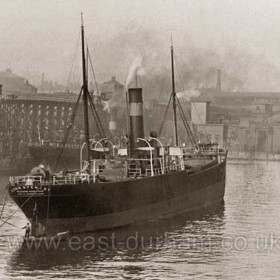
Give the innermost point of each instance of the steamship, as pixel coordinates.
(144, 182)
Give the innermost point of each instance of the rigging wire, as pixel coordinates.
(68, 130)
(192, 135)
(8, 223)
(74, 59)
(48, 206)
(96, 117)
(9, 217)
(93, 73)
(5, 199)
(169, 102)
(185, 122)
(92, 105)
(183, 88)
(164, 116)
(93, 109)
(186, 126)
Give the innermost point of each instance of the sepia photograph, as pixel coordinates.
(139, 139)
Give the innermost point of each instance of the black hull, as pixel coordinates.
(100, 206)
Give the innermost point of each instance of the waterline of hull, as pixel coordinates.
(102, 206)
(200, 199)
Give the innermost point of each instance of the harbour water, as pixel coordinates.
(238, 240)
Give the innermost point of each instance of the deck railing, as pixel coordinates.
(205, 150)
(54, 180)
(27, 180)
(212, 151)
(134, 172)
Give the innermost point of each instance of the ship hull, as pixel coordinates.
(101, 206)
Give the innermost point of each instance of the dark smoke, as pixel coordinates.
(195, 67)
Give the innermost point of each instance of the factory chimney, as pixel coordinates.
(219, 86)
(1, 89)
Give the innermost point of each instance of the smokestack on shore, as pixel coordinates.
(135, 117)
(1, 89)
(219, 82)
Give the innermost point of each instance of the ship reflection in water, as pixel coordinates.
(128, 251)
(232, 241)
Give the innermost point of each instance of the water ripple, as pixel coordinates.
(238, 240)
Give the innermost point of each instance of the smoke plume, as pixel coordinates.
(135, 70)
(148, 53)
(188, 94)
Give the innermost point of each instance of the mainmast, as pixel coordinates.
(85, 96)
(174, 98)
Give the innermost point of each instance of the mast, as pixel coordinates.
(174, 97)
(85, 96)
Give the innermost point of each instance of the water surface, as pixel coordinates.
(238, 240)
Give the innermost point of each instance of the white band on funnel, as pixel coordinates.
(136, 109)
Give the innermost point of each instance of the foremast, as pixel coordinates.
(85, 97)
(174, 98)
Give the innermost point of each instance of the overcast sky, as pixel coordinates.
(41, 36)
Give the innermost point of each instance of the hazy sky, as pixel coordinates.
(41, 36)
